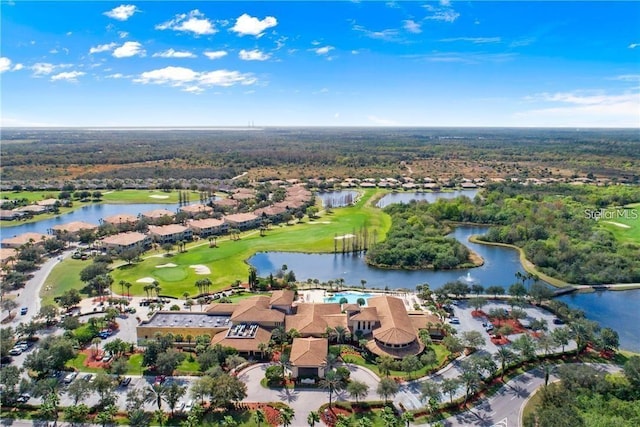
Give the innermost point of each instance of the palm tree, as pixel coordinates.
(407, 417)
(122, 282)
(156, 288)
(128, 286)
(259, 417)
(312, 418)
(155, 393)
(450, 386)
(385, 363)
(340, 333)
(504, 356)
(363, 282)
(286, 416)
(332, 382)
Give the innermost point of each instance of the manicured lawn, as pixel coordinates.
(186, 366)
(441, 355)
(64, 276)
(622, 234)
(145, 196)
(227, 262)
(78, 364)
(134, 364)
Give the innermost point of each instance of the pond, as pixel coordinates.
(406, 197)
(499, 268)
(91, 213)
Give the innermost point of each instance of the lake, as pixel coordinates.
(610, 309)
(406, 197)
(91, 213)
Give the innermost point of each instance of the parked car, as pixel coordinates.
(188, 406)
(107, 357)
(454, 321)
(160, 379)
(24, 398)
(125, 381)
(558, 321)
(24, 310)
(87, 377)
(68, 379)
(15, 351)
(489, 327)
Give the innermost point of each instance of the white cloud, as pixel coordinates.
(388, 34)
(584, 108)
(468, 57)
(253, 55)
(115, 76)
(323, 50)
(381, 121)
(444, 13)
(412, 26)
(102, 48)
(17, 67)
(628, 78)
(5, 64)
(129, 49)
(215, 54)
(123, 34)
(122, 12)
(69, 76)
(634, 45)
(474, 40)
(193, 22)
(194, 81)
(43, 68)
(172, 53)
(249, 25)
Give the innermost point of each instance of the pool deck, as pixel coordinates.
(319, 295)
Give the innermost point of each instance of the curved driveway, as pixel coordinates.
(301, 400)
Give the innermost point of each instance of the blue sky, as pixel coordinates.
(367, 63)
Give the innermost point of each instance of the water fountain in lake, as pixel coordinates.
(468, 279)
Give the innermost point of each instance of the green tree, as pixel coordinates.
(259, 417)
(172, 394)
(504, 356)
(450, 386)
(387, 388)
(385, 365)
(313, 418)
(430, 393)
(286, 416)
(77, 414)
(410, 364)
(561, 336)
(78, 390)
(357, 389)
(332, 382)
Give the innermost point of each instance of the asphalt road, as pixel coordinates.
(504, 409)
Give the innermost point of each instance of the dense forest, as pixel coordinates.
(550, 223)
(313, 152)
(416, 241)
(585, 397)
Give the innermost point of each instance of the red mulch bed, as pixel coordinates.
(90, 362)
(500, 340)
(330, 416)
(272, 415)
(478, 313)
(515, 325)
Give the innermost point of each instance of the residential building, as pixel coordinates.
(197, 209)
(73, 228)
(208, 227)
(20, 240)
(308, 358)
(242, 221)
(125, 241)
(171, 233)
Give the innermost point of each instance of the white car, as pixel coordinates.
(68, 379)
(15, 351)
(188, 406)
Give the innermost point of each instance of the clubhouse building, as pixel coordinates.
(247, 326)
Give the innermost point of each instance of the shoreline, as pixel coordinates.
(529, 267)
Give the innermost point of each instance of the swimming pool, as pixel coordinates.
(352, 297)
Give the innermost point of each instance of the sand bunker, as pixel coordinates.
(319, 222)
(158, 196)
(201, 269)
(169, 265)
(618, 224)
(346, 236)
(146, 280)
